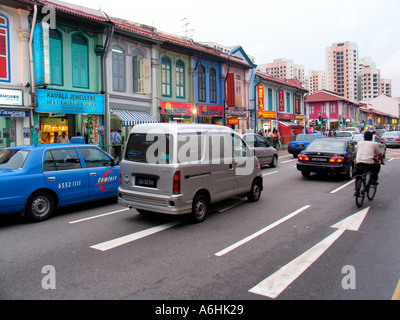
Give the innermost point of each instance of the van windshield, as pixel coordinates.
(148, 148)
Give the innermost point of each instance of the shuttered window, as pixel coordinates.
(56, 58)
(180, 79)
(80, 62)
(202, 83)
(118, 69)
(213, 85)
(166, 77)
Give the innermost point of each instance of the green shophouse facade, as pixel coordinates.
(68, 75)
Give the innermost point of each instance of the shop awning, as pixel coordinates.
(291, 124)
(132, 118)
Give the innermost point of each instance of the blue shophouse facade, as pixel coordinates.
(209, 89)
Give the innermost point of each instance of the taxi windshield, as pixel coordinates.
(13, 158)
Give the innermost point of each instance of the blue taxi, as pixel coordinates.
(34, 180)
(301, 142)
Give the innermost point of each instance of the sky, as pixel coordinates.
(299, 30)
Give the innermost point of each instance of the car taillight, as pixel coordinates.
(383, 139)
(336, 159)
(397, 139)
(176, 187)
(303, 157)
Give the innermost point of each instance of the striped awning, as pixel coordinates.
(132, 118)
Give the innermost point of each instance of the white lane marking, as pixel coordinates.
(256, 234)
(267, 174)
(281, 279)
(390, 159)
(343, 186)
(98, 216)
(288, 161)
(107, 245)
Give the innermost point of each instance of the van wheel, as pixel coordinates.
(40, 206)
(255, 191)
(199, 208)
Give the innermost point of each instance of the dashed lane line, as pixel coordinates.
(98, 216)
(260, 232)
(107, 245)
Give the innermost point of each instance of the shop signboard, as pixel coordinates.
(210, 110)
(41, 52)
(281, 101)
(230, 90)
(266, 114)
(14, 113)
(52, 101)
(11, 97)
(169, 108)
(260, 90)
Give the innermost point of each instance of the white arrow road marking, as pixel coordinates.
(104, 246)
(256, 234)
(281, 279)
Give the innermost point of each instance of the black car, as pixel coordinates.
(331, 156)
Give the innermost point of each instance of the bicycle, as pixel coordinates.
(364, 187)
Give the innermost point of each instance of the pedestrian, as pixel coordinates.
(116, 141)
(55, 137)
(63, 138)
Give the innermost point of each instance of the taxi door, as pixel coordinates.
(64, 174)
(103, 175)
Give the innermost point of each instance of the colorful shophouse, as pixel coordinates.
(68, 72)
(15, 102)
(280, 106)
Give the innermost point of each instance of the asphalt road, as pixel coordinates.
(282, 247)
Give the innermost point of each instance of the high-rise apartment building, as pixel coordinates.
(315, 81)
(368, 79)
(341, 62)
(385, 87)
(283, 69)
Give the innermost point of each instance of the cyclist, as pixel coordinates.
(365, 160)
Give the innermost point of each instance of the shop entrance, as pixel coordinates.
(51, 127)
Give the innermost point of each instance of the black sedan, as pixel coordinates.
(330, 156)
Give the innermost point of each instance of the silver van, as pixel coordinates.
(183, 168)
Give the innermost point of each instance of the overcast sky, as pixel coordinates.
(271, 29)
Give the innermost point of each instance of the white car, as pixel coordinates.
(345, 134)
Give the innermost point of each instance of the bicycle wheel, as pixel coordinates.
(371, 191)
(360, 194)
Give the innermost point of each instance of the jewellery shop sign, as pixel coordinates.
(52, 101)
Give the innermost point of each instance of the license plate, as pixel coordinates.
(300, 145)
(148, 182)
(319, 159)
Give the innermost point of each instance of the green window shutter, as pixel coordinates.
(80, 67)
(56, 67)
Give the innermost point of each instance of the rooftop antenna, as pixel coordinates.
(186, 25)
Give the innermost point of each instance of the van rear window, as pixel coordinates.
(148, 148)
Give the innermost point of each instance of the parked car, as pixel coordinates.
(345, 134)
(183, 168)
(35, 180)
(263, 150)
(330, 155)
(360, 137)
(391, 138)
(301, 142)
